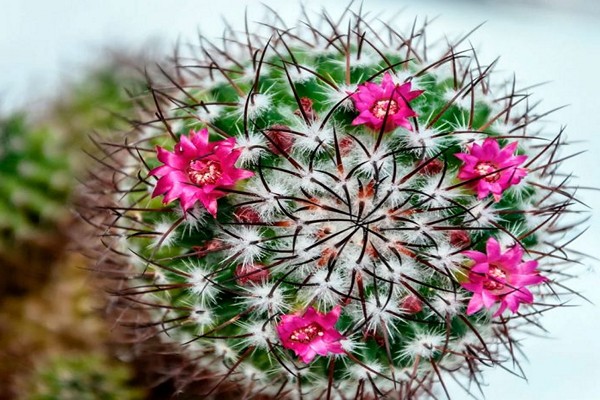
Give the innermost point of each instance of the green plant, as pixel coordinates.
(81, 377)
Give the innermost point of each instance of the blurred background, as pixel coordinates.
(63, 65)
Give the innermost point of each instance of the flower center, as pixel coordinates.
(495, 275)
(381, 107)
(204, 172)
(485, 168)
(307, 334)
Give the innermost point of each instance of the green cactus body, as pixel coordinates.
(369, 221)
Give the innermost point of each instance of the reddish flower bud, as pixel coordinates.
(209, 247)
(326, 255)
(346, 144)
(307, 107)
(255, 273)
(345, 301)
(281, 139)
(246, 215)
(432, 167)
(375, 336)
(411, 304)
(459, 238)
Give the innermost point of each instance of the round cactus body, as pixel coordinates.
(339, 210)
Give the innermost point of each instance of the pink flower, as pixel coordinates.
(498, 277)
(375, 101)
(196, 170)
(482, 162)
(311, 333)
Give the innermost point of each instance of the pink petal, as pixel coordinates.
(476, 256)
(488, 299)
(200, 138)
(320, 347)
(481, 268)
(170, 159)
(500, 309)
(510, 148)
(330, 319)
(308, 355)
(492, 248)
(475, 304)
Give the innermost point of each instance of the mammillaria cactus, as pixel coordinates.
(333, 210)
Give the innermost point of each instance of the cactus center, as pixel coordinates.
(204, 172)
(383, 107)
(495, 275)
(485, 168)
(307, 334)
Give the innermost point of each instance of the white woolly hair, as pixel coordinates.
(321, 286)
(260, 332)
(166, 234)
(265, 298)
(447, 303)
(207, 113)
(270, 205)
(422, 141)
(245, 244)
(194, 219)
(339, 96)
(257, 105)
(202, 317)
(481, 214)
(424, 345)
(252, 148)
(313, 136)
(201, 283)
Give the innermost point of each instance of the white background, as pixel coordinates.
(42, 42)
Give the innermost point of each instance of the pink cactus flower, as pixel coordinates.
(311, 333)
(196, 170)
(498, 277)
(482, 162)
(375, 101)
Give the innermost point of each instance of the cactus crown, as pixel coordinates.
(336, 210)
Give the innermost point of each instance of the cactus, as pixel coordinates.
(334, 210)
